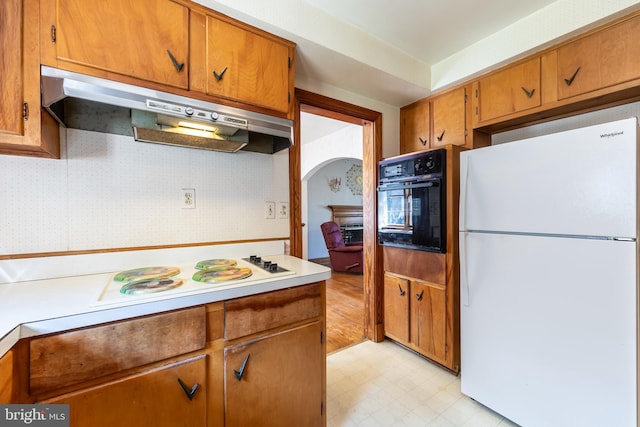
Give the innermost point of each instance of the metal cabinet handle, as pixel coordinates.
(528, 92)
(441, 136)
(190, 392)
(219, 76)
(422, 141)
(175, 62)
(420, 295)
(239, 374)
(570, 79)
(402, 292)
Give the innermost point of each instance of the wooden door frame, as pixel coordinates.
(371, 122)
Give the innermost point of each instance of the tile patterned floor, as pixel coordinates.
(371, 385)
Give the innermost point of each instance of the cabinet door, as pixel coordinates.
(429, 319)
(24, 129)
(6, 377)
(449, 118)
(396, 308)
(147, 39)
(247, 66)
(600, 60)
(154, 398)
(414, 127)
(511, 90)
(276, 380)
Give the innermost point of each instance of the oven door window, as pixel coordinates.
(394, 212)
(427, 215)
(410, 214)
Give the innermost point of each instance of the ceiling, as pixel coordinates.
(429, 30)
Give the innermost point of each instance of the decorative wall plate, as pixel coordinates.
(354, 179)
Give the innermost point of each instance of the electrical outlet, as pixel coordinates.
(269, 210)
(188, 198)
(283, 210)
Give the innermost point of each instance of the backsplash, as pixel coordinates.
(108, 191)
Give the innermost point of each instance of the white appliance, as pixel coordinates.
(548, 278)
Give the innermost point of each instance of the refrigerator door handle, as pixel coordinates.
(464, 276)
(463, 195)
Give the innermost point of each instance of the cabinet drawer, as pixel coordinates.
(256, 313)
(153, 398)
(73, 357)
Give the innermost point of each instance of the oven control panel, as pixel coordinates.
(413, 164)
(266, 265)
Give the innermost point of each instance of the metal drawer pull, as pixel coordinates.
(528, 92)
(422, 141)
(401, 291)
(175, 62)
(420, 295)
(219, 76)
(240, 373)
(570, 79)
(190, 392)
(441, 136)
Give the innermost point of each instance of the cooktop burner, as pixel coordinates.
(149, 286)
(158, 281)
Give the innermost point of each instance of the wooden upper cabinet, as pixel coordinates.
(449, 118)
(24, 128)
(600, 60)
(414, 127)
(147, 40)
(511, 90)
(247, 65)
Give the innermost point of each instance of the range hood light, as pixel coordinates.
(198, 126)
(192, 132)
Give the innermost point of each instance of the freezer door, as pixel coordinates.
(548, 329)
(580, 182)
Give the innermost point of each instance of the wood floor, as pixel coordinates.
(345, 311)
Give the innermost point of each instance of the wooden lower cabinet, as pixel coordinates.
(274, 380)
(415, 314)
(257, 361)
(154, 398)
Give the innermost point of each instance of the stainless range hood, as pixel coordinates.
(90, 103)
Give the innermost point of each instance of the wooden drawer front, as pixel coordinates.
(428, 266)
(604, 59)
(252, 314)
(73, 357)
(512, 90)
(154, 398)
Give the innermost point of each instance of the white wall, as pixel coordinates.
(320, 196)
(108, 191)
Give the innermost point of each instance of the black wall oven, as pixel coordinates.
(411, 201)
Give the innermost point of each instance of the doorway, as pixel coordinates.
(371, 122)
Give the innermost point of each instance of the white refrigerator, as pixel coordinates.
(548, 277)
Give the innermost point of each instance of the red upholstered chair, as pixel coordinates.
(344, 258)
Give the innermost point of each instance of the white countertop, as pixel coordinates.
(35, 307)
